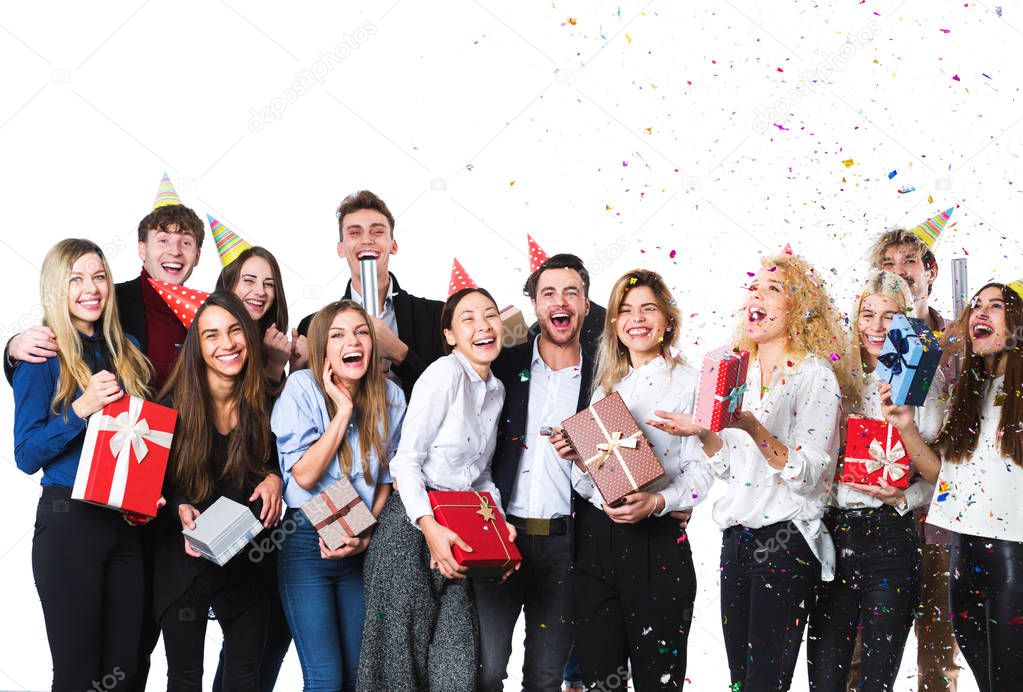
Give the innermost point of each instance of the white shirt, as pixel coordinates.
(449, 434)
(654, 387)
(928, 420)
(543, 487)
(802, 407)
(981, 496)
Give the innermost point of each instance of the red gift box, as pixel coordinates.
(612, 449)
(124, 456)
(873, 449)
(721, 388)
(478, 521)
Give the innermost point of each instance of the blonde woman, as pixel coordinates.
(874, 593)
(86, 560)
(779, 461)
(633, 579)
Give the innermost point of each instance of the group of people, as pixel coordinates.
(418, 395)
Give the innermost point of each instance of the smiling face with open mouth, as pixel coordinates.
(256, 287)
(169, 255)
(875, 317)
(906, 260)
(366, 233)
(476, 331)
(560, 305)
(641, 324)
(765, 313)
(988, 329)
(88, 289)
(349, 347)
(222, 340)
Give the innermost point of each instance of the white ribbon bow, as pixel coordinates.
(889, 461)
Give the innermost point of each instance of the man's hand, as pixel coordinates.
(34, 345)
(389, 346)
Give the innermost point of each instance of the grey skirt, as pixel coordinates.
(420, 632)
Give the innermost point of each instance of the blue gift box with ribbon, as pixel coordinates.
(909, 360)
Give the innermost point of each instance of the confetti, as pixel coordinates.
(848, 163)
(892, 174)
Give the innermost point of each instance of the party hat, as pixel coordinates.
(787, 250)
(459, 278)
(1017, 286)
(184, 302)
(229, 245)
(536, 254)
(930, 230)
(166, 196)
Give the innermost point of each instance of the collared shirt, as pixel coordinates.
(449, 435)
(300, 418)
(802, 407)
(980, 496)
(655, 386)
(543, 488)
(928, 420)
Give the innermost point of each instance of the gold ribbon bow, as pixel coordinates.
(887, 460)
(611, 446)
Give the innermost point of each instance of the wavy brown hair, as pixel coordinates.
(612, 357)
(232, 274)
(958, 437)
(369, 401)
(250, 442)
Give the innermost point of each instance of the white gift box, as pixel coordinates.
(223, 530)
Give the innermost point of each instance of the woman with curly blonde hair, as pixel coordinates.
(779, 459)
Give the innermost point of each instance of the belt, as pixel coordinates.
(861, 512)
(556, 526)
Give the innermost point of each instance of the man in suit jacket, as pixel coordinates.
(546, 379)
(408, 330)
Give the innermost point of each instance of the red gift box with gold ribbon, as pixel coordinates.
(476, 518)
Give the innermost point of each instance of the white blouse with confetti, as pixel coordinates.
(802, 407)
(983, 495)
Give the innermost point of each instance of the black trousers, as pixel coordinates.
(769, 578)
(184, 638)
(87, 564)
(875, 592)
(150, 633)
(634, 587)
(986, 597)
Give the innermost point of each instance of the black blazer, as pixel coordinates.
(418, 326)
(130, 308)
(511, 431)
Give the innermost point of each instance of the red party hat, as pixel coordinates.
(184, 302)
(459, 278)
(536, 254)
(787, 250)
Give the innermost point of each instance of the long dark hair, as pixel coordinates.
(249, 448)
(232, 274)
(447, 315)
(958, 437)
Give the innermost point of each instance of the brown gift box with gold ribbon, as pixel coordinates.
(338, 513)
(613, 449)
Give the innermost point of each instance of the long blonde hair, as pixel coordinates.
(882, 283)
(126, 360)
(814, 325)
(612, 357)
(369, 399)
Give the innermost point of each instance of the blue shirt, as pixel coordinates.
(42, 439)
(300, 418)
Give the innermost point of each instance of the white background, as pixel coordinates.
(622, 133)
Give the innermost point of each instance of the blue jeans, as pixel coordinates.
(323, 602)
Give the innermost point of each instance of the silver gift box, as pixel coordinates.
(223, 530)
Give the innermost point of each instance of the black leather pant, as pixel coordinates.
(986, 597)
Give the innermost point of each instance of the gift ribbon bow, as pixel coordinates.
(895, 361)
(733, 397)
(337, 514)
(131, 434)
(887, 460)
(614, 443)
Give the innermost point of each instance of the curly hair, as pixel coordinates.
(814, 325)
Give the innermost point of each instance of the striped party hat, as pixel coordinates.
(229, 245)
(459, 278)
(184, 302)
(166, 196)
(930, 230)
(1016, 286)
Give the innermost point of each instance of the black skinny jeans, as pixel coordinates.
(769, 577)
(986, 596)
(87, 564)
(875, 590)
